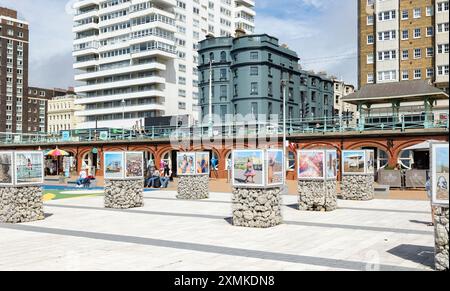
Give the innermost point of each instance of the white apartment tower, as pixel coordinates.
(137, 58)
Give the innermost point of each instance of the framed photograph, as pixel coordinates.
(114, 165)
(353, 162)
(332, 165)
(6, 169)
(29, 168)
(202, 163)
(186, 164)
(439, 173)
(248, 168)
(311, 164)
(274, 167)
(134, 165)
(370, 162)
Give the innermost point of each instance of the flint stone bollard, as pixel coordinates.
(258, 208)
(317, 195)
(441, 238)
(358, 187)
(193, 187)
(124, 194)
(21, 204)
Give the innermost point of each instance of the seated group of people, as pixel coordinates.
(158, 179)
(84, 180)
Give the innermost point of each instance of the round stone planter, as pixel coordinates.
(21, 204)
(124, 194)
(358, 187)
(441, 237)
(257, 208)
(317, 195)
(193, 187)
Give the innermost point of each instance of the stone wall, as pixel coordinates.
(317, 195)
(124, 194)
(358, 187)
(21, 204)
(441, 237)
(259, 208)
(193, 187)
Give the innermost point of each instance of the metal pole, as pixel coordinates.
(283, 84)
(210, 123)
(123, 119)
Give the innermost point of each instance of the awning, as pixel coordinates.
(423, 146)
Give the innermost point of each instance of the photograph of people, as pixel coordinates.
(248, 168)
(6, 168)
(275, 167)
(186, 164)
(202, 163)
(29, 167)
(134, 164)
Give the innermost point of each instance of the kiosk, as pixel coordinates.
(124, 179)
(258, 178)
(193, 169)
(21, 180)
(317, 173)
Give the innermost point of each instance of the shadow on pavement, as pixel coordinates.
(418, 254)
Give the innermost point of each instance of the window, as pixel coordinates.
(253, 71)
(417, 74)
(430, 31)
(417, 12)
(254, 88)
(405, 34)
(405, 14)
(254, 55)
(430, 73)
(370, 39)
(443, 70)
(405, 54)
(370, 59)
(370, 20)
(370, 78)
(223, 56)
(417, 53)
(417, 33)
(443, 48)
(430, 11)
(405, 75)
(430, 52)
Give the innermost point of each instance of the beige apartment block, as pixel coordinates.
(61, 113)
(403, 40)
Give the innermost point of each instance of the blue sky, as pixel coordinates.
(322, 32)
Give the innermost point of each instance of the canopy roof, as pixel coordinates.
(423, 146)
(405, 91)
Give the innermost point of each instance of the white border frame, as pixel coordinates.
(344, 173)
(209, 164)
(326, 163)
(323, 178)
(237, 185)
(16, 183)
(122, 176)
(195, 164)
(126, 164)
(13, 166)
(434, 199)
(283, 173)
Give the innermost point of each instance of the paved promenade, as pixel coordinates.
(168, 234)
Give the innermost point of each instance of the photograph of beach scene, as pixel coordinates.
(29, 168)
(6, 168)
(353, 162)
(248, 168)
(134, 165)
(114, 168)
(275, 167)
(311, 164)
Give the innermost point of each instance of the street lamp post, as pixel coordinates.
(210, 122)
(284, 87)
(123, 118)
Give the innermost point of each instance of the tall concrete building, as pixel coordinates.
(247, 74)
(403, 40)
(138, 59)
(14, 43)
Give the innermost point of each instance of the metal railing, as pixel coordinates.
(322, 126)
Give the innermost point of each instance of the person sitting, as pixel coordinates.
(82, 178)
(165, 179)
(151, 182)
